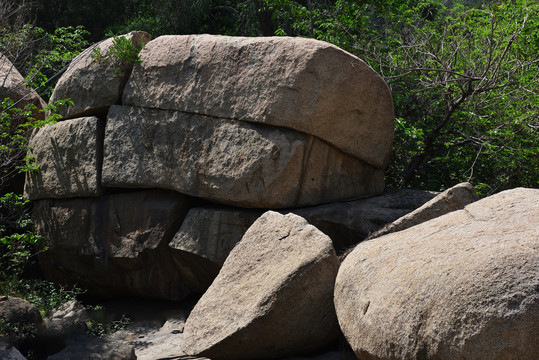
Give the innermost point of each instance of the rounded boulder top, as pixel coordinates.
(302, 84)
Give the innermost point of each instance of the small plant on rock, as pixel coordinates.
(121, 55)
(102, 329)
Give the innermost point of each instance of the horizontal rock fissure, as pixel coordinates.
(261, 124)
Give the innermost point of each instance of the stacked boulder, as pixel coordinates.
(213, 128)
(158, 182)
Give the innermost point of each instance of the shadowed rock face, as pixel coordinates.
(463, 285)
(273, 296)
(302, 84)
(115, 244)
(231, 162)
(454, 198)
(212, 231)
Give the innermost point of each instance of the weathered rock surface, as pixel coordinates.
(273, 296)
(232, 162)
(69, 156)
(348, 223)
(454, 198)
(211, 232)
(14, 310)
(303, 84)
(69, 318)
(12, 86)
(115, 244)
(95, 349)
(461, 286)
(95, 85)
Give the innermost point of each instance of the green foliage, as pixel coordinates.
(18, 245)
(102, 329)
(46, 295)
(464, 79)
(40, 55)
(17, 331)
(58, 49)
(121, 55)
(163, 16)
(19, 248)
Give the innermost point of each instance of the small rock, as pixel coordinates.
(14, 310)
(8, 352)
(68, 318)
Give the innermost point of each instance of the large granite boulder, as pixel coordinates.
(212, 232)
(302, 84)
(272, 298)
(115, 244)
(461, 286)
(69, 156)
(232, 162)
(93, 82)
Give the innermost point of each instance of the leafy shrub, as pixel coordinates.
(102, 329)
(18, 244)
(19, 248)
(121, 55)
(16, 126)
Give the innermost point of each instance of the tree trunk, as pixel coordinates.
(265, 19)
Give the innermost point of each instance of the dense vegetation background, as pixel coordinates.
(464, 74)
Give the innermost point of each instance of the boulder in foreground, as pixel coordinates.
(461, 286)
(272, 297)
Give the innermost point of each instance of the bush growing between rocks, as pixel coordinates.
(122, 54)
